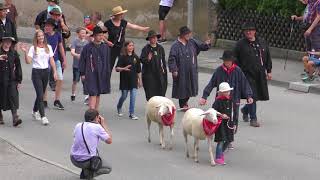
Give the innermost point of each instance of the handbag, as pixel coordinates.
(95, 161)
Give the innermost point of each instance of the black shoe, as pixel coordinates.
(245, 116)
(57, 104)
(73, 98)
(16, 121)
(254, 123)
(161, 41)
(45, 104)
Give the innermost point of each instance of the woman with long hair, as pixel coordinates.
(40, 54)
(130, 77)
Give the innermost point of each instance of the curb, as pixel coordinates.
(283, 84)
(23, 151)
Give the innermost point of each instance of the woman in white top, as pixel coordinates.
(40, 54)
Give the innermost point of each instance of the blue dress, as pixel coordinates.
(95, 66)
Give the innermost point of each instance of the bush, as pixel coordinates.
(282, 7)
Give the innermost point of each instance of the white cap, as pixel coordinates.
(224, 87)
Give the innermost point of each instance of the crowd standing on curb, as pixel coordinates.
(99, 46)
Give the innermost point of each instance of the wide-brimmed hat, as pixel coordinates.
(118, 10)
(97, 30)
(55, 10)
(224, 87)
(248, 26)
(2, 6)
(54, 1)
(51, 22)
(151, 34)
(8, 38)
(184, 30)
(228, 56)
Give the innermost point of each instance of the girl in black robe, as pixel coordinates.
(154, 69)
(10, 79)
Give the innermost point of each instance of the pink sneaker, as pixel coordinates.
(220, 161)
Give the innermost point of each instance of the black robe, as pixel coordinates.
(10, 77)
(154, 72)
(94, 64)
(236, 79)
(183, 59)
(255, 65)
(8, 29)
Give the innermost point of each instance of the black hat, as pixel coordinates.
(2, 6)
(90, 115)
(184, 30)
(151, 34)
(97, 30)
(248, 26)
(52, 22)
(10, 38)
(54, 1)
(228, 56)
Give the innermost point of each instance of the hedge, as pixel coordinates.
(283, 7)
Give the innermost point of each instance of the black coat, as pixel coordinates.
(8, 29)
(225, 131)
(254, 67)
(154, 72)
(183, 59)
(10, 78)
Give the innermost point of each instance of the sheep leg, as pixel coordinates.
(149, 124)
(196, 145)
(163, 146)
(186, 141)
(171, 137)
(210, 151)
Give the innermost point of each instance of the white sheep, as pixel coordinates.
(192, 123)
(161, 110)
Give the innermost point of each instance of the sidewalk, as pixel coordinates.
(209, 61)
(16, 165)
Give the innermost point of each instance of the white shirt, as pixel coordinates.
(40, 60)
(168, 3)
(4, 21)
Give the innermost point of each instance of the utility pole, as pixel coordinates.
(190, 14)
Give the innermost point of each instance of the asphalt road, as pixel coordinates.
(286, 147)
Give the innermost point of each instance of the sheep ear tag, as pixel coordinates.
(209, 127)
(168, 119)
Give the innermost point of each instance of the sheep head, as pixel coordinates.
(211, 115)
(164, 109)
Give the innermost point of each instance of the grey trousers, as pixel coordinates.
(84, 165)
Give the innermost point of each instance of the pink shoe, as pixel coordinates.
(220, 161)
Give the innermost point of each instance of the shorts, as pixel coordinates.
(76, 75)
(163, 12)
(59, 70)
(315, 60)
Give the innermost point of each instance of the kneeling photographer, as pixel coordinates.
(84, 152)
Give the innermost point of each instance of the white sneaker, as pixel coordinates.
(45, 121)
(36, 116)
(133, 117)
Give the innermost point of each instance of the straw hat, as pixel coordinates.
(118, 10)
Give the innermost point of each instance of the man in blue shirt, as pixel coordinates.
(55, 40)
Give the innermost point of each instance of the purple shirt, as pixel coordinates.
(313, 8)
(93, 133)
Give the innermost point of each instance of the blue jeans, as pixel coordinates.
(221, 147)
(251, 109)
(124, 94)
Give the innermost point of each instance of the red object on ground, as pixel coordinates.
(167, 119)
(210, 128)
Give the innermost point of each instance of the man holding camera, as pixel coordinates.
(84, 149)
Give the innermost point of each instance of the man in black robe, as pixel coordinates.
(8, 28)
(183, 64)
(253, 57)
(154, 69)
